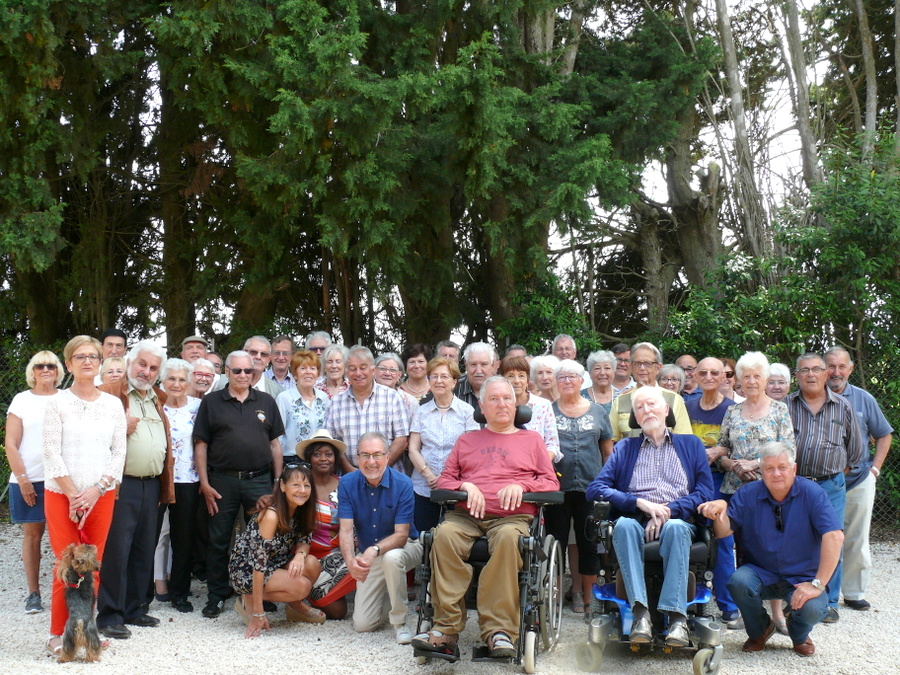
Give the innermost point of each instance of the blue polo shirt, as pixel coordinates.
(375, 510)
(793, 554)
(872, 423)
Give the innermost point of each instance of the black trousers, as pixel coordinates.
(127, 568)
(557, 518)
(182, 536)
(236, 494)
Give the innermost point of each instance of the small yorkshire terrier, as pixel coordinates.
(76, 570)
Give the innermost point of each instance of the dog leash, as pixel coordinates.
(80, 579)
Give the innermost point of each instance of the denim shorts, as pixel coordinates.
(20, 511)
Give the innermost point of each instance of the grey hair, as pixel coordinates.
(390, 356)
(202, 362)
(543, 361)
(376, 435)
(237, 354)
(652, 347)
(569, 366)
(809, 356)
(334, 348)
(562, 336)
(480, 348)
(175, 364)
(648, 392)
(780, 369)
(775, 448)
(752, 360)
(258, 338)
(320, 335)
(600, 356)
(839, 350)
(146, 347)
(491, 380)
(669, 369)
(361, 352)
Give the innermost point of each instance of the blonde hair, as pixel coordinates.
(43, 356)
(79, 340)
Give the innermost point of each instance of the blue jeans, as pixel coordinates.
(837, 495)
(749, 593)
(674, 547)
(725, 556)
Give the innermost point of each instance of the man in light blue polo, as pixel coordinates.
(377, 501)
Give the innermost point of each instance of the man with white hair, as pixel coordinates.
(791, 538)
(481, 362)
(655, 482)
(147, 481)
(317, 342)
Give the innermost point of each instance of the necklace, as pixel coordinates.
(443, 407)
(418, 393)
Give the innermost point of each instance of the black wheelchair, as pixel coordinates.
(540, 585)
(613, 621)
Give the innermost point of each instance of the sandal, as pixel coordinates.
(242, 611)
(306, 614)
(434, 642)
(58, 648)
(501, 647)
(781, 627)
(578, 602)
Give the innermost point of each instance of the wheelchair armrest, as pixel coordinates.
(600, 511)
(448, 496)
(543, 498)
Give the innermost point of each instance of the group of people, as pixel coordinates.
(329, 454)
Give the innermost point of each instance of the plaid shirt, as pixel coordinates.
(383, 411)
(658, 474)
(828, 441)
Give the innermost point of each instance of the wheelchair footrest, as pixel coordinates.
(481, 653)
(451, 654)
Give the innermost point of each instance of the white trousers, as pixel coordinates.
(857, 556)
(383, 594)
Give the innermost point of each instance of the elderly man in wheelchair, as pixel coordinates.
(655, 482)
(494, 467)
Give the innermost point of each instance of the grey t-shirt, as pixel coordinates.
(579, 440)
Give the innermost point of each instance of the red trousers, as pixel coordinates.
(64, 532)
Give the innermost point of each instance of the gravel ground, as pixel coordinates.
(187, 643)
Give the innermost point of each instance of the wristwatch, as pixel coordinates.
(377, 550)
(818, 584)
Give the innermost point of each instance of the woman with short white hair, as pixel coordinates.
(542, 369)
(778, 385)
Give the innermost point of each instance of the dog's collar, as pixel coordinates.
(80, 579)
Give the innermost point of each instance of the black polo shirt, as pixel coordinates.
(238, 433)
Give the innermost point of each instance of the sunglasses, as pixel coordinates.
(779, 521)
(293, 464)
(317, 349)
(45, 366)
(238, 371)
(256, 352)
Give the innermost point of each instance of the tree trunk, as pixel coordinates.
(868, 57)
(659, 269)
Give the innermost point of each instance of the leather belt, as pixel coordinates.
(819, 479)
(142, 477)
(242, 475)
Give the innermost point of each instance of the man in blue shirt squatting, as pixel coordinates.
(791, 542)
(378, 501)
(655, 481)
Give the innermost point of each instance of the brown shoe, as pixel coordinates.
(806, 648)
(759, 643)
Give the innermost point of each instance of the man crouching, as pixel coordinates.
(494, 466)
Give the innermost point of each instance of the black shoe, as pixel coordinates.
(831, 616)
(269, 606)
(182, 605)
(117, 631)
(213, 608)
(858, 605)
(162, 597)
(143, 620)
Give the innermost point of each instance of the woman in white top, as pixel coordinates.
(25, 454)
(84, 453)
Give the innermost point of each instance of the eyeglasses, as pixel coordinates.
(256, 352)
(620, 360)
(689, 369)
(729, 374)
(317, 349)
(671, 380)
(712, 373)
(279, 353)
(238, 371)
(204, 376)
(567, 377)
(643, 364)
(81, 358)
(385, 369)
(366, 456)
(440, 377)
(779, 521)
(815, 370)
(45, 366)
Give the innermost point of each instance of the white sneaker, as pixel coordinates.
(404, 634)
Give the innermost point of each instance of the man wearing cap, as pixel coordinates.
(193, 347)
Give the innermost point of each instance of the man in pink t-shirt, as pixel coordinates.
(495, 466)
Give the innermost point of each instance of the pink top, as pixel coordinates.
(491, 461)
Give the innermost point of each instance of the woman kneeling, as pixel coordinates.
(271, 558)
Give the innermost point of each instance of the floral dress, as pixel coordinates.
(253, 553)
(743, 438)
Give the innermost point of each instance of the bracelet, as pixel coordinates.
(876, 470)
(260, 616)
(101, 487)
(25, 475)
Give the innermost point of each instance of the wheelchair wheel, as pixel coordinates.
(589, 657)
(703, 662)
(550, 611)
(529, 652)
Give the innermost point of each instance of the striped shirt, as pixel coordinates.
(383, 411)
(658, 476)
(827, 441)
